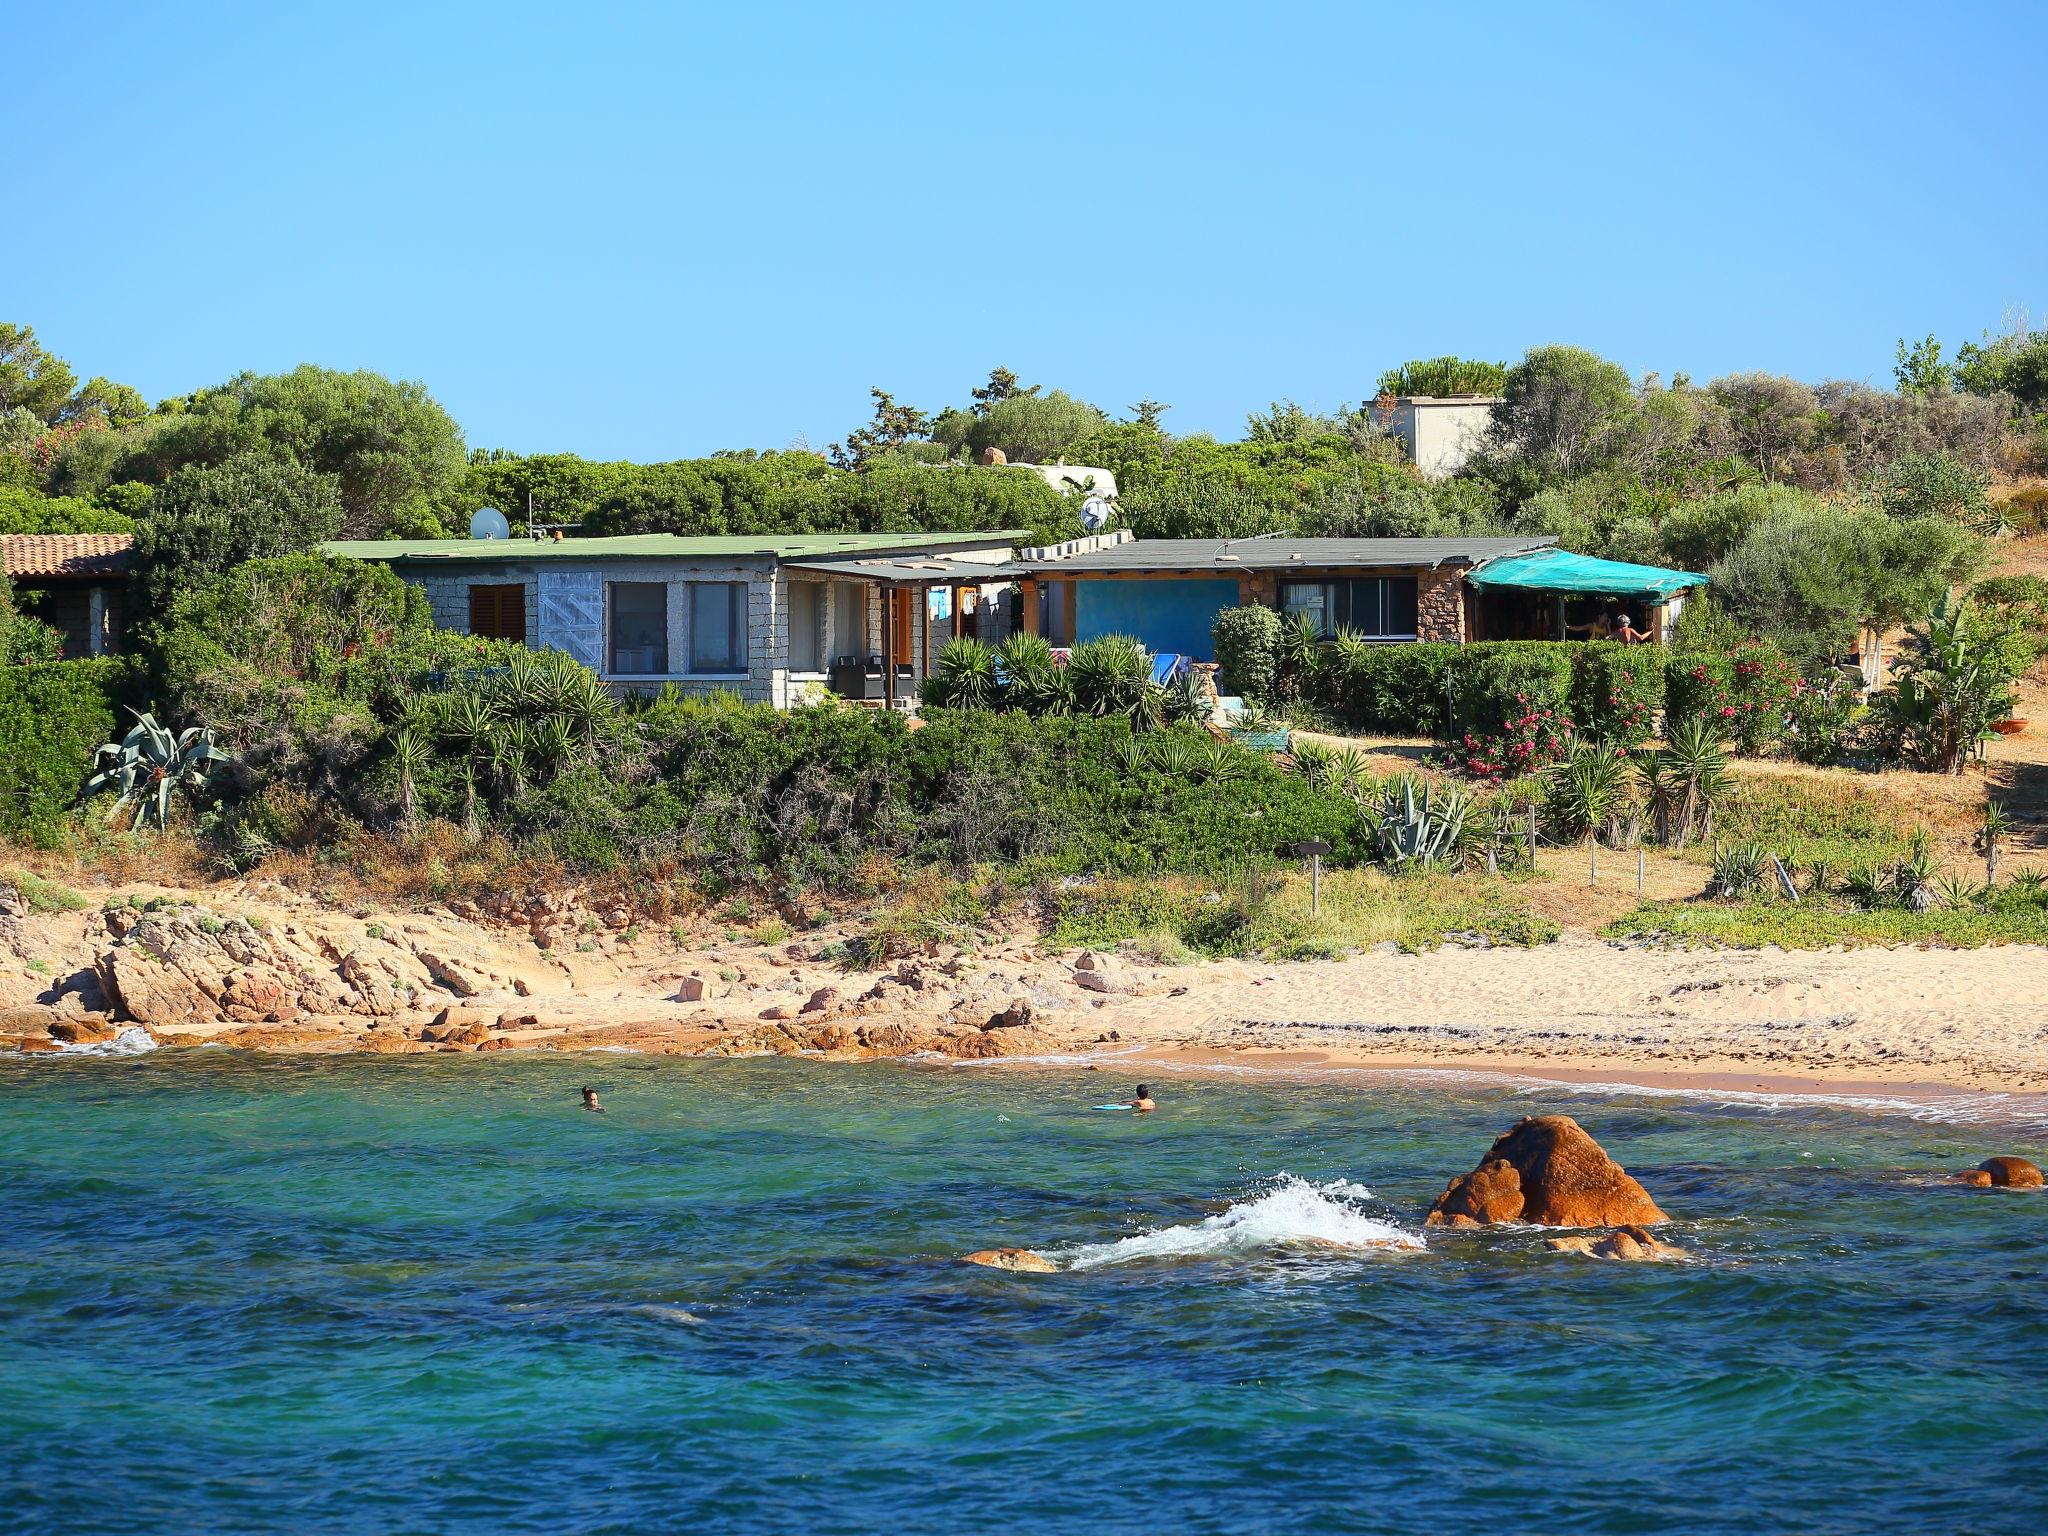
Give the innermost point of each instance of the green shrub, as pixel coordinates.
(1247, 651)
(1745, 692)
(1616, 691)
(53, 717)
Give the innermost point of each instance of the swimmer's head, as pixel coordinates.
(1144, 1092)
(589, 1094)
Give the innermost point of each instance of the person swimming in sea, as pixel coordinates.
(590, 1101)
(1143, 1102)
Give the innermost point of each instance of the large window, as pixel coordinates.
(718, 626)
(1378, 607)
(639, 628)
(807, 626)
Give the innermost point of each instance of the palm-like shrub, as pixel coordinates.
(1412, 829)
(965, 676)
(1113, 676)
(1741, 871)
(1684, 780)
(1185, 701)
(1032, 679)
(151, 764)
(1313, 763)
(1585, 793)
(1300, 657)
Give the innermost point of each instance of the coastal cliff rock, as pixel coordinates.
(1549, 1172)
(1629, 1245)
(1021, 1260)
(2003, 1173)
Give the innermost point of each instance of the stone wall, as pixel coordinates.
(448, 593)
(1440, 603)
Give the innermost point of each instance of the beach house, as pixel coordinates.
(1169, 592)
(781, 618)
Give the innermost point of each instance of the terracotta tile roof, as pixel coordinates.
(66, 554)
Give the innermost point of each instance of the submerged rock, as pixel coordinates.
(2004, 1173)
(1630, 1244)
(1549, 1172)
(1022, 1260)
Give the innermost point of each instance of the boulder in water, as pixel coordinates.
(1630, 1245)
(1546, 1171)
(1022, 1260)
(2004, 1173)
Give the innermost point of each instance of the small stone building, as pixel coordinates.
(77, 583)
(774, 618)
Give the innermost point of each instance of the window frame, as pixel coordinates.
(1339, 604)
(736, 633)
(611, 631)
(822, 638)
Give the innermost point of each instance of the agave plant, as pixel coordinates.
(1176, 755)
(1186, 702)
(1741, 870)
(1955, 892)
(1349, 771)
(1224, 762)
(1412, 829)
(150, 764)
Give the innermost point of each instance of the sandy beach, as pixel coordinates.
(265, 968)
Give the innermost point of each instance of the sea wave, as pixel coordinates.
(1290, 1213)
(131, 1041)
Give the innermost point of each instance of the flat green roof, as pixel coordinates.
(667, 546)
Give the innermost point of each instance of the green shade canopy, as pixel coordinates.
(1556, 570)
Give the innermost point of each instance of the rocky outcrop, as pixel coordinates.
(1020, 1260)
(1999, 1173)
(1546, 1171)
(1632, 1245)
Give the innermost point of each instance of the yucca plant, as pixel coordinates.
(1867, 887)
(1113, 676)
(1349, 771)
(1176, 755)
(1584, 792)
(1412, 829)
(412, 752)
(1032, 678)
(1820, 876)
(1313, 763)
(150, 764)
(965, 676)
(1224, 761)
(1994, 828)
(2030, 884)
(1185, 701)
(1684, 780)
(1300, 653)
(1741, 871)
(1955, 892)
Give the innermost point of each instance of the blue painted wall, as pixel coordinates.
(1166, 615)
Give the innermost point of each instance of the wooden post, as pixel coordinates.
(888, 648)
(1639, 874)
(1592, 861)
(1027, 605)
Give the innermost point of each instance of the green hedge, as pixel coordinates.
(1746, 691)
(1616, 691)
(52, 717)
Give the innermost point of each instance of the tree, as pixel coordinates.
(1028, 428)
(1935, 485)
(25, 511)
(1919, 369)
(31, 377)
(2014, 364)
(1952, 681)
(1444, 376)
(1558, 414)
(394, 454)
(891, 426)
(1768, 417)
(210, 518)
(1002, 385)
(1146, 413)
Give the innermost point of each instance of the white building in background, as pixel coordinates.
(1438, 432)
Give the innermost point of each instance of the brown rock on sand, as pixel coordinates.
(1023, 1260)
(1546, 1171)
(2007, 1173)
(1630, 1244)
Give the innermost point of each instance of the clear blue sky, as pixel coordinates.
(653, 231)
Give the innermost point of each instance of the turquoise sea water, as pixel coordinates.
(381, 1295)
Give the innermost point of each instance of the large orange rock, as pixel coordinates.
(1546, 1171)
(2010, 1173)
(1020, 1259)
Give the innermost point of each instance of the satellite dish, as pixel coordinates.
(1096, 513)
(489, 523)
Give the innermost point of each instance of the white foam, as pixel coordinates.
(131, 1041)
(1292, 1212)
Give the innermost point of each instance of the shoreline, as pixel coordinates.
(271, 970)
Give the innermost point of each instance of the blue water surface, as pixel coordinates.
(244, 1294)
